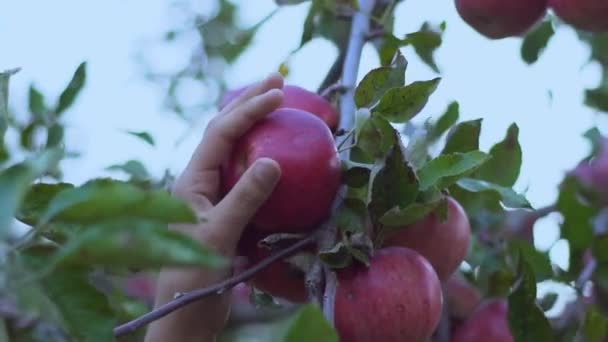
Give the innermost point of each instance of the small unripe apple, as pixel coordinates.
(498, 19)
(587, 15)
(462, 297)
(305, 150)
(298, 98)
(281, 279)
(488, 323)
(444, 244)
(397, 298)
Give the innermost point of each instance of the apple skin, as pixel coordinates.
(497, 19)
(280, 279)
(462, 298)
(587, 15)
(141, 286)
(397, 298)
(298, 98)
(305, 150)
(445, 244)
(488, 323)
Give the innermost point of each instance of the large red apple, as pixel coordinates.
(445, 244)
(498, 19)
(304, 148)
(397, 298)
(280, 279)
(488, 323)
(588, 15)
(298, 98)
(462, 297)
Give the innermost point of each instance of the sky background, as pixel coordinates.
(48, 39)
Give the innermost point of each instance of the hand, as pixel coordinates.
(200, 185)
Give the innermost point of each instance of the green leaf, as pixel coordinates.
(526, 320)
(597, 98)
(400, 218)
(548, 301)
(395, 184)
(538, 261)
(36, 103)
(26, 138)
(446, 169)
(69, 94)
(599, 248)
(445, 121)
(373, 86)
(15, 181)
(54, 135)
(4, 86)
(463, 137)
(356, 176)
(105, 199)
(309, 23)
(399, 105)
(113, 244)
(37, 199)
(426, 42)
(339, 256)
(376, 137)
(351, 215)
(508, 197)
(133, 168)
(536, 41)
(595, 326)
(503, 168)
(262, 299)
(576, 226)
(309, 324)
(145, 136)
(417, 150)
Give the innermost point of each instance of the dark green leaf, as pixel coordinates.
(114, 243)
(395, 185)
(595, 326)
(36, 103)
(548, 301)
(338, 256)
(27, 136)
(356, 177)
(133, 168)
(538, 261)
(503, 168)
(389, 46)
(597, 98)
(526, 320)
(599, 248)
(69, 94)
(14, 183)
(509, 198)
(376, 137)
(425, 43)
(262, 299)
(309, 324)
(145, 136)
(446, 169)
(400, 218)
(463, 137)
(401, 104)
(309, 23)
(576, 225)
(447, 120)
(351, 215)
(536, 41)
(104, 199)
(37, 199)
(54, 136)
(378, 81)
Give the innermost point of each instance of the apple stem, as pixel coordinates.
(221, 287)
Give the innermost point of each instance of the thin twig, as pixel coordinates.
(334, 88)
(314, 281)
(329, 297)
(334, 73)
(190, 297)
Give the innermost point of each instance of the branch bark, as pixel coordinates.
(184, 299)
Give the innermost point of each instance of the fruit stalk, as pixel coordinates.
(183, 299)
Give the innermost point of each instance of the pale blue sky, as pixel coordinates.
(48, 39)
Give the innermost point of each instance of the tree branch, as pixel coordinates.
(187, 298)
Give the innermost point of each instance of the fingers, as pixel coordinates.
(239, 206)
(273, 81)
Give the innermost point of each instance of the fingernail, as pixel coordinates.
(267, 171)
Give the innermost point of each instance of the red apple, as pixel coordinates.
(498, 19)
(304, 148)
(280, 279)
(397, 298)
(444, 244)
(141, 286)
(588, 15)
(298, 98)
(462, 297)
(488, 323)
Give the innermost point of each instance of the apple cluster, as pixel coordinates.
(398, 294)
(498, 19)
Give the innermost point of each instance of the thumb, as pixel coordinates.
(239, 206)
